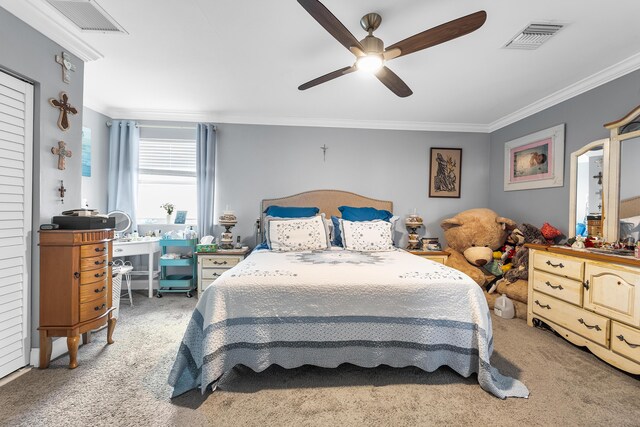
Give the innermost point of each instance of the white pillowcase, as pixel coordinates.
(367, 236)
(297, 234)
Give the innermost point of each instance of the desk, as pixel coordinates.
(139, 247)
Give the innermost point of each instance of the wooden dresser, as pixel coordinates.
(592, 300)
(75, 288)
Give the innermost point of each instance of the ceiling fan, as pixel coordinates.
(370, 53)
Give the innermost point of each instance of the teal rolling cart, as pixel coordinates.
(177, 282)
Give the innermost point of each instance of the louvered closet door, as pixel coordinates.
(16, 141)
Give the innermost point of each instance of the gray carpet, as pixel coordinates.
(125, 384)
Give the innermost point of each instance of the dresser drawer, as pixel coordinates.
(212, 273)
(220, 261)
(568, 290)
(93, 262)
(92, 309)
(556, 264)
(93, 275)
(87, 251)
(582, 322)
(93, 291)
(625, 341)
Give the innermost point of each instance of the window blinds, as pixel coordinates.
(167, 157)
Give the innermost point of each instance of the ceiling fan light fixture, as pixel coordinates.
(370, 63)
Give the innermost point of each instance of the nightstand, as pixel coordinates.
(212, 264)
(437, 256)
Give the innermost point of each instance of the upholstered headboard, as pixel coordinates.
(629, 207)
(328, 201)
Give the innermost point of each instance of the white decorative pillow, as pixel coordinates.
(367, 236)
(297, 234)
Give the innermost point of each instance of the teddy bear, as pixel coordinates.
(472, 237)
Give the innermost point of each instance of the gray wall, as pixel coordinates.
(630, 169)
(257, 162)
(584, 116)
(30, 55)
(94, 187)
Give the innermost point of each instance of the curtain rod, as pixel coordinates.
(161, 126)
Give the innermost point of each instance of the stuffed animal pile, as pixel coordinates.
(490, 249)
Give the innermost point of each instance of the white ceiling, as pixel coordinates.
(241, 61)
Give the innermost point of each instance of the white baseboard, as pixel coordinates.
(58, 348)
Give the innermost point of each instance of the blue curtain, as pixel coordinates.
(205, 173)
(122, 190)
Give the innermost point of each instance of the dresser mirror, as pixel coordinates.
(623, 222)
(588, 189)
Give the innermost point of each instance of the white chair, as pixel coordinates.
(120, 269)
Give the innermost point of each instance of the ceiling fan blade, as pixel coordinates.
(441, 33)
(393, 82)
(330, 76)
(330, 23)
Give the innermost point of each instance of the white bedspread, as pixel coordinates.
(330, 307)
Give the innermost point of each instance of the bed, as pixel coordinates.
(335, 306)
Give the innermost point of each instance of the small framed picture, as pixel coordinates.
(181, 217)
(445, 168)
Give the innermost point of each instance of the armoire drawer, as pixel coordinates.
(93, 291)
(568, 290)
(92, 309)
(94, 262)
(87, 251)
(625, 341)
(93, 275)
(556, 264)
(582, 322)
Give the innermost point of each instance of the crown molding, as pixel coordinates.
(48, 21)
(613, 72)
(287, 121)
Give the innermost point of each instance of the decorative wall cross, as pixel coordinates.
(62, 152)
(324, 149)
(599, 177)
(65, 61)
(65, 110)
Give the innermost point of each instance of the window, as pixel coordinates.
(167, 174)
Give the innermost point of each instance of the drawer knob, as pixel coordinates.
(100, 262)
(547, 306)
(559, 265)
(99, 274)
(100, 249)
(76, 275)
(621, 338)
(585, 284)
(97, 291)
(118, 250)
(596, 327)
(220, 263)
(100, 307)
(559, 287)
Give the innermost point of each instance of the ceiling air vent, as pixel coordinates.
(533, 36)
(87, 15)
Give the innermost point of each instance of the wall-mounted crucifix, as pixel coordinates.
(599, 176)
(65, 61)
(62, 152)
(324, 149)
(65, 110)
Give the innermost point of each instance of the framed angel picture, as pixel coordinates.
(445, 168)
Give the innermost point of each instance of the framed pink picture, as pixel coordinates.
(535, 160)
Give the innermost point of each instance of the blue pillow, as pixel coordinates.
(337, 236)
(364, 214)
(291, 211)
